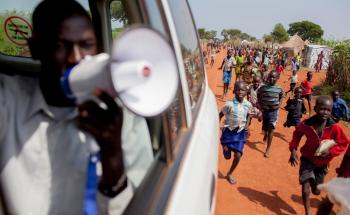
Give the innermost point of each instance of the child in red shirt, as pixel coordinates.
(306, 87)
(279, 68)
(316, 129)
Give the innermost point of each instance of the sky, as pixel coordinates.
(258, 17)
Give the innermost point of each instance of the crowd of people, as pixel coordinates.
(256, 95)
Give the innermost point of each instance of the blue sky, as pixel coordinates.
(258, 17)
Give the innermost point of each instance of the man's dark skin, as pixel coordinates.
(60, 47)
(323, 109)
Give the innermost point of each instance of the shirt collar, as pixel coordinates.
(312, 120)
(38, 104)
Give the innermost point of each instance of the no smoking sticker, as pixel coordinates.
(18, 30)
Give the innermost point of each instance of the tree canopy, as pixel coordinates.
(204, 34)
(279, 33)
(306, 30)
(231, 34)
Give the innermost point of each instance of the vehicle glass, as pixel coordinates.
(189, 47)
(119, 20)
(153, 9)
(176, 112)
(16, 26)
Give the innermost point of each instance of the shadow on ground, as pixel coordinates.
(270, 200)
(281, 136)
(313, 202)
(253, 145)
(221, 176)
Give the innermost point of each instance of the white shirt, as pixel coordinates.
(294, 79)
(229, 63)
(43, 155)
(236, 113)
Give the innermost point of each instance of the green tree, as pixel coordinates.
(201, 33)
(306, 30)
(267, 38)
(279, 33)
(234, 33)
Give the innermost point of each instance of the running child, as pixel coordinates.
(239, 64)
(293, 82)
(295, 108)
(236, 123)
(227, 64)
(253, 98)
(269, 100)
(317, 129)
(306, 86)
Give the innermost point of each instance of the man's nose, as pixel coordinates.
(75, 55)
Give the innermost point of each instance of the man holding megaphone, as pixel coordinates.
(50, 148)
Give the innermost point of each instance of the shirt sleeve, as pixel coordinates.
(137, 157)
(297, 135)
(342, 142)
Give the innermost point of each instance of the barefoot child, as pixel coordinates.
(227, 64)
(269, 100)
(253, 97)
(306, 86)
(293, 81)
(236, 123)
(295, 108)
(317, 129)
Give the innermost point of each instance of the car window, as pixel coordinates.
(119, 20)
(16, 26)
(189, 47)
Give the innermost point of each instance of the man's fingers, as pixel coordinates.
(112, 106)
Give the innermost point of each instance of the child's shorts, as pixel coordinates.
(269, 119)
(227, 77)
(307, 97)
(292, 86)
(308, 171)
(344, 169)
(292, 121)
(233, 140)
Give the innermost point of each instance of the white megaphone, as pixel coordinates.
(141, 71)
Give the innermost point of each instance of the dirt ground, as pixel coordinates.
(264, 186)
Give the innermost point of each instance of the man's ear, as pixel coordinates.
(34, 48)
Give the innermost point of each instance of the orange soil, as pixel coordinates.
(264, 186)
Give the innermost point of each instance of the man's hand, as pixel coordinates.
(293, 159)
(105, 125)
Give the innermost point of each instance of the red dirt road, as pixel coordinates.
(264, 186)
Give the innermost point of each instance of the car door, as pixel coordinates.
(184, 181)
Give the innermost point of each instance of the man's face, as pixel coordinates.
(324, 109)
(76, 39)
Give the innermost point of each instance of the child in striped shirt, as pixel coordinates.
(269, 100)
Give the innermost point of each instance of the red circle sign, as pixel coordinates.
(18, 30)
